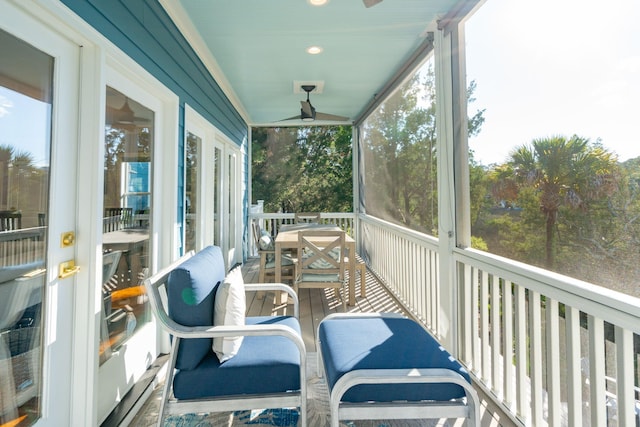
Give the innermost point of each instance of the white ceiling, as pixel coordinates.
(259, 48)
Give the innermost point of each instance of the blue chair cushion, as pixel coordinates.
(385, 343)
(264, 364)
(191, 293)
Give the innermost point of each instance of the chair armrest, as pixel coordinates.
(261, 287)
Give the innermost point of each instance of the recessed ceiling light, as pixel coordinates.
(314, 50)
(318, 2)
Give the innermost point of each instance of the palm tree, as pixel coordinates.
(6, 153)
(564, 172)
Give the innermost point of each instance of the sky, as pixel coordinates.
(555, 67)
(23, 125)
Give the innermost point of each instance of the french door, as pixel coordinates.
(39, 74)
(138, 198)
(88, 190)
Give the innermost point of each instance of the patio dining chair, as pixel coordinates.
(266, 250)
(322, 261)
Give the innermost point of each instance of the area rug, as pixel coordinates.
(317, 412)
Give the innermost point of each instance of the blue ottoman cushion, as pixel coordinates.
(385, 343)
(264, 364)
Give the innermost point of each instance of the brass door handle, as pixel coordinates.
(68, 269)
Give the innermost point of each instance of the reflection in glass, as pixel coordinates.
(127, 219)
(230, 204)
(26, 76)
(217, 190)
(191, 197)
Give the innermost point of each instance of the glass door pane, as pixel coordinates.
(231, 209)
(192, 189)
(26, 78)
(127, 219)
(217, 191)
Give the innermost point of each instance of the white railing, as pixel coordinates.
(550, 349)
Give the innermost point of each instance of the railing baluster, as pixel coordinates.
(553, 362)
(484, 327)
(496, 384)
(597, 381)
(434, 290)
(475, 327)
(507, 340)
(625, 384)
(535, 346)
(467, 315)
(574, 375)
(522, 397)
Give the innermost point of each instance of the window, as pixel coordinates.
(191, 203)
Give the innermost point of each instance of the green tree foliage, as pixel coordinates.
(564, 181)
(303, 169)
(23, 184)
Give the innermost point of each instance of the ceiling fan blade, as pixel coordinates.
(325, 116)
(290, 118)
(307, 108)
(369, 3)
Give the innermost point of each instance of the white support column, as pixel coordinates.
(453, 172)
(357, 176)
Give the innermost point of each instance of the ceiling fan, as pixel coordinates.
(369, 3)
(308, 112)
(124, 117)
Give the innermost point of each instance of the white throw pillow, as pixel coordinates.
(230, 307)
